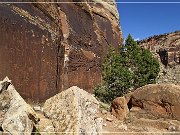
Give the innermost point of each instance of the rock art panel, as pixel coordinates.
(46, 48)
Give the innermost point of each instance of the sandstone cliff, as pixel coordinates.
(166, 48)
(48, 47)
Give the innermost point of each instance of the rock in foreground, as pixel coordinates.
(74, 111)
(119, 108)
(16, 116)
(153, 109)
(157, 100)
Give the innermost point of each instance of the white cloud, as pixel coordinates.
(136, 39)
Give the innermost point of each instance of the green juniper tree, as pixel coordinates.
(144, 66)
(133, 67)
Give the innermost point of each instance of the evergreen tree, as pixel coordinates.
(144, 66)
(133, 67)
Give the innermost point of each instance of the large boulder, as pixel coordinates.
(74, 111)
(16, 116)
(119, 108)
(157, 101)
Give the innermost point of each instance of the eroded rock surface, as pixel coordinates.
(157, 101)
(74, 111)
(16, 116)
(119, 108)
(166, 48)
(153, 109)
(48, 47)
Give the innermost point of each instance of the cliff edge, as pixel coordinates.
(166, 48)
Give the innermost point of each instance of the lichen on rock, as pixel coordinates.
(74, 111)
(16, 116)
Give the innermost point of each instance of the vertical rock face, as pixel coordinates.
(166, 48)
(48, 47)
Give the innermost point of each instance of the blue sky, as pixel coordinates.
(144, 20)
